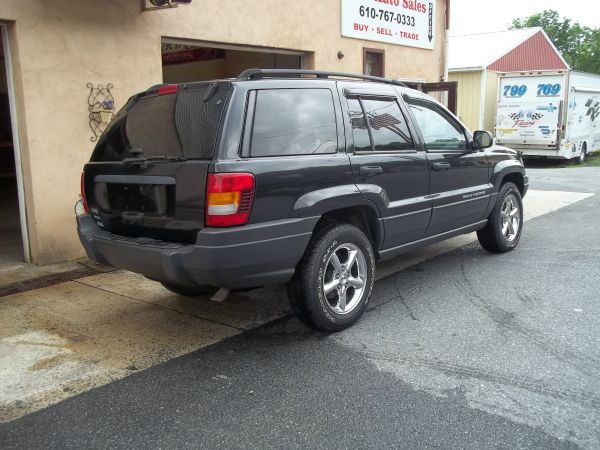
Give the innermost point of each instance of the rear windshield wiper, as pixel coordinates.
(145, 161)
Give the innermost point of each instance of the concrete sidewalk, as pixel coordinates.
(61, 340)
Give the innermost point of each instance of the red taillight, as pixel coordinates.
(83, 199)
(167, 89)
(229, 199)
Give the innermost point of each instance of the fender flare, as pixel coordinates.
(504, 168)
(322, 201)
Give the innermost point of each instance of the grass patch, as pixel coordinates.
(592, 160)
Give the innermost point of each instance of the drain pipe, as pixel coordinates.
(446, 31)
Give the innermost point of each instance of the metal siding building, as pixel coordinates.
(468, 95)
(536, 53)
(476, 61)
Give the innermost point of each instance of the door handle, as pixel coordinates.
(370, 170)
(441, 166)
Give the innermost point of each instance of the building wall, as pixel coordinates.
(491, 100)
(59, 46)
(468, 97)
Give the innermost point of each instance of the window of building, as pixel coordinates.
(386, 126)
(294, 122)
(439, 130)
(373, 62)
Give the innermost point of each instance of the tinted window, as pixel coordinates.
(294, 122)
(439, 131)
(388, 126)
(181, 125)
(360, 132)
(386, 123)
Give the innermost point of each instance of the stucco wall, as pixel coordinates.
(60, 45)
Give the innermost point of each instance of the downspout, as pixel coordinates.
(446, 31)
(445, 55)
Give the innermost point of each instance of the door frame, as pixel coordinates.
(451, 87)
(16, 143)
(240, 47)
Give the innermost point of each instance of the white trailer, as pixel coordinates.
(551, 114)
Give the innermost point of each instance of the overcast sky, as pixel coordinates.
(476, 16)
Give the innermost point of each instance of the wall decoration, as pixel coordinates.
(101, 107)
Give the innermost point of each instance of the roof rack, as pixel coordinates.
(255, 74)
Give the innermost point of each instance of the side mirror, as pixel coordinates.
(482, 139)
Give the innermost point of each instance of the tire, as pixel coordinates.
(501, 235)
(316, 273)
(189, 291)
(581, 159)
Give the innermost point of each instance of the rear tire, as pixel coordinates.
(333, 281)
(189, 291)
(583, 154)
(505, 223)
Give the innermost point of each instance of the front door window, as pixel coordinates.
(439, 131)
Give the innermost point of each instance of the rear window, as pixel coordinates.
(180, 125)
(293, 122)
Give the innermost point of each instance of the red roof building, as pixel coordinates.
(475, 62)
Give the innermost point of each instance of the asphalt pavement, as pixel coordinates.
(465, 350)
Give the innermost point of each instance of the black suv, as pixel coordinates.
(298, 177)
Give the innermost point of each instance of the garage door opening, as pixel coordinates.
(12, 227)
(190, 61)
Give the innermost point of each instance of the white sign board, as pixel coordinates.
(401, 22)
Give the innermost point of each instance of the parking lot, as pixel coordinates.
(459, 348)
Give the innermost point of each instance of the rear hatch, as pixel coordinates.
(528, 123)
(147, 174)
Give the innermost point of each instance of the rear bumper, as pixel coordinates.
(563, 151)
(239, 257)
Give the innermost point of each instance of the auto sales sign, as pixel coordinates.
(401, 22)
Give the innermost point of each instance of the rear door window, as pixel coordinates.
(383, 119)
(360, 129)
(180, 125)
(293, 122)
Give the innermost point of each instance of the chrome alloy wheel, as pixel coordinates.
(511, 217)
(345, 278)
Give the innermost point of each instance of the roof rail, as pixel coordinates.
(255, 74)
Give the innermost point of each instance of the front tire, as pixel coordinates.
(333, 281)
(505, 223)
